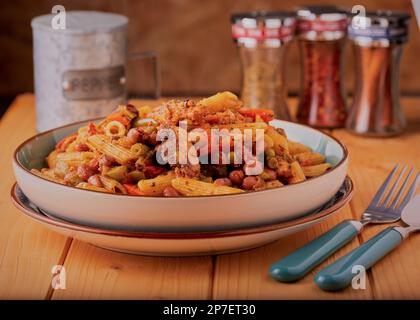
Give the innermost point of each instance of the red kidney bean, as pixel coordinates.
(249, 182)
(170, 192)
(133, 136)
(237, 177)
(223, 182)
(94, 164)
(95, 180)
(84, 172)
(81, 147)
(106, 161)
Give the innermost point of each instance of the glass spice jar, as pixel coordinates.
(262, 39)
(377, 42)
(321, 36)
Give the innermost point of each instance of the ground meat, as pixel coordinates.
(188, 171)
(84, 172)
(237, 177)
(171, 112)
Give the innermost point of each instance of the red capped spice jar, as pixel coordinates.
(263, 39)
(321, 34)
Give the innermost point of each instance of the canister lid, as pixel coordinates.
(380, 25)
(82, 22)
(263, 27)
(327, 22)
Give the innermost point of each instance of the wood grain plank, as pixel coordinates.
(396, 276)
(244, 275)
(95, 273)
(27, 250)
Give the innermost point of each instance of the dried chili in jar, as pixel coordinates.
(263, 39)
(377, 41)
(322, 36)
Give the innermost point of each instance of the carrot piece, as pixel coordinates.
(133, 189)
(92, 129)
(265, 114)
(62, 145)
(120, 118)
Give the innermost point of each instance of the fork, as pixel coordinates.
(297, 264)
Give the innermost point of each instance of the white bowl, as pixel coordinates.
(127, 212)
(182, 244)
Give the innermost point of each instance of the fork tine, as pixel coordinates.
(410, 192)
(400, 191)
(383, 187)
(394, 186)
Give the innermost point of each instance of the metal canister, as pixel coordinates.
(79, 71)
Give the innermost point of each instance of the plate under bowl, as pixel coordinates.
(105, 210)
(182, 244)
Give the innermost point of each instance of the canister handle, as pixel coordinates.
(154, 57)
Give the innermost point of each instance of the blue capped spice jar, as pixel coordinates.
(377, 42)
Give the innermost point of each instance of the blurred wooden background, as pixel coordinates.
(192, 38)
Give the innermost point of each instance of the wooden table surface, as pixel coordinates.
(28, 251)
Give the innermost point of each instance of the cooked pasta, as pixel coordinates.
(123, 152)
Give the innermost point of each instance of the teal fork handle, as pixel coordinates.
(297, 264)
(339, 274)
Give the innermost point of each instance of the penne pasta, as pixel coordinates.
(74, 159)
(52, 159)
(280, 141)
(102, 144)
(155, 186)
(310, 158)
(88, 186)
(112, 185)
(117, 173)
(296, 148)
(221, 101)
(316, 170)
(47, 174)
(139, 149)
(297, 173)
(273, 184)
(192, 187)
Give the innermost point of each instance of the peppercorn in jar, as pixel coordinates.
(263, 39)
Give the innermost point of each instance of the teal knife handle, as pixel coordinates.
(297, 264)
(339, 274)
